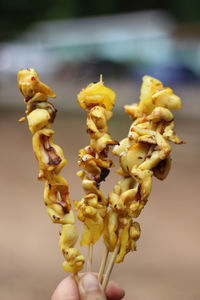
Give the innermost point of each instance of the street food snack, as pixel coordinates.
(40, 114)
(144, 153)
(146, 150)
(98, 101)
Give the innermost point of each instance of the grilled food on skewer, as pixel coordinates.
(40, 114)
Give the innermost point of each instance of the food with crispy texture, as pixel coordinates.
(40, 115)
(98, 100)
(143, 153)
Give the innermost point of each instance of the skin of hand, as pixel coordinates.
(87, 289)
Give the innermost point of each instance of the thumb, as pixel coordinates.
(90, 288)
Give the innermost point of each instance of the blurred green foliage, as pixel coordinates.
(17, 15)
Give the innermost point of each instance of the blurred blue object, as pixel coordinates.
(169, 74)
(134, 43)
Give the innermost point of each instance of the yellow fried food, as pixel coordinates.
(56, 199)
(38, 119)
(110, 230)
(98, 101)
(129, 233)
(92, 213)
(126, 198)
(146, 146)
(40, 115)
(96, 94)
(135, 155)
(31, 86)
(50, 156)
(92, 230)
(68, 236)
(89, 162)
(91, 186)
(143, 153)
(98, 129)
(153, 94)
(74, 260)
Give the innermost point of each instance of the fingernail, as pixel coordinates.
(120, 291)
(113, 290)
(90, 283)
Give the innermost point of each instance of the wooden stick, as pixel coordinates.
(111, 265)
(89, 262)
(103, 264)
(76, 278)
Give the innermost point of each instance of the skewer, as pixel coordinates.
(111, 265)
(103, 264)
(59, 196)
(76, 278)
(39, 119)
(93, 160)
(162, 126)
(89, 262)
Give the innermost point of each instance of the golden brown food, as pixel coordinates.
(40, 115)
(98, 100)
(96, 94)
(74, 260)
(32, 88)
(143, 153)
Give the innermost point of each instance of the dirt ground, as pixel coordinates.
(166, 263)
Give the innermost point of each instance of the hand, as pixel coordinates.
(87, 289)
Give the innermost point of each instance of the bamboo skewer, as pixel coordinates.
(111, 265)
(102, 266)
(76, 278)
(89, 262)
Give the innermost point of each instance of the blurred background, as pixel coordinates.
(70, 43)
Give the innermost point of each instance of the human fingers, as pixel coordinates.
(66, 290)
(114, 292)
(90, 289)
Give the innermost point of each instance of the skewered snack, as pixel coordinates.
(40, 115)
(98, 100)
(144, 153)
